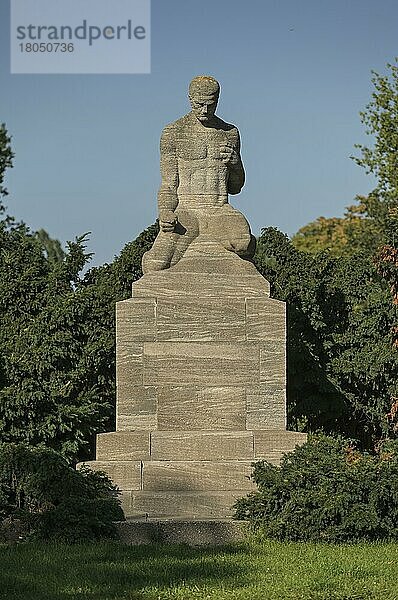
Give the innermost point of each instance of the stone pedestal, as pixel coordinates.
(201, 382)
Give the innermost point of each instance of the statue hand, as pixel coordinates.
(167, 220)
(229, 156)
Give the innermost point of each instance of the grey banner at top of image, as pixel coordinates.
(70, 36)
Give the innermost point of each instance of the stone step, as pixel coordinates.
(196, 445)
(176, 475)
(176, 531)
(202, 445)
(217, 505)
(126, 474)
(123, 445)
(271, 444)
(186, 476)
(226, 276)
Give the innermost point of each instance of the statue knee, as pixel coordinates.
(244, 245)
(247, 248)
(151, 263)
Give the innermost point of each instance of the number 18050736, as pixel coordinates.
(46, 47)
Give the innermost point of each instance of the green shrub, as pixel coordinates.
(326, 490)
(51, 499)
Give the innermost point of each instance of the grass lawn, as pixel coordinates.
(250, 570)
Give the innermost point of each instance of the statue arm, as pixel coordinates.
(167, 195)
(236, 177)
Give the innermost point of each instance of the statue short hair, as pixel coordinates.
(204, 84)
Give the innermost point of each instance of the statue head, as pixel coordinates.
(203, 96)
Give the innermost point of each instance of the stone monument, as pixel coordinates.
(201, 375)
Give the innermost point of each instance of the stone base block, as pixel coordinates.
(185, 446)
(271, 445)
(202, 445)
(197, 476)
(182, 408)
(187, 474)
(202, 361)
(123, 445)
(192, 505)
(215, 273)
(126, 474)
(200, 386)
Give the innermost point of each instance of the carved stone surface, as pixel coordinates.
(123, 445)
(199, 274)
(202, 445)
(177, 504)
(199, 363)
(201, 408)
(198, 319)
(197, 475)
(136, 407)
(200, 347)
(126, 474)
(265, 407)
(138, 324)
(267, 442)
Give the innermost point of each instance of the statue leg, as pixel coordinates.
(231, 229)
(161, 253)
(188, 228)
(168, 248)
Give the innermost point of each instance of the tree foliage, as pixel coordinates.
(381, 159)
(380, 118)
(57, 340)
(342, 369)
(354, 233)
(326, 490)
(6, 156)
(39, 490)
(52, 248)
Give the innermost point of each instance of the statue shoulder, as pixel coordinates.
(175, 126)
(231, 133)
(227, 127)
(171, 134)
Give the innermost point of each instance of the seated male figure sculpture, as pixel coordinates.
(200, 165)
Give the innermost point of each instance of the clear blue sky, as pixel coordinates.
(294, 76)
